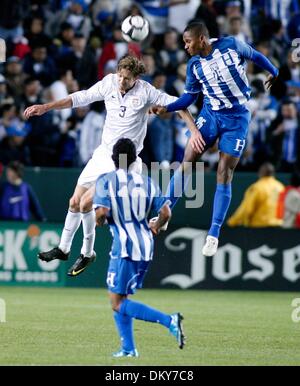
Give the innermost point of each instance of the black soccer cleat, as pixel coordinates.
(53, 254)
(80, 264)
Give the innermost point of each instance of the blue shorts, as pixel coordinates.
(229, 125)
(125, 276)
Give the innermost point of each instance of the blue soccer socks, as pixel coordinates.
(177, 185)
(221, 204)
(124, 325)
(142, 312)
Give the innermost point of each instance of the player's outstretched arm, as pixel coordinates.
(42, 109)
(249, 53)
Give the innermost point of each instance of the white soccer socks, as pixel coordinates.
(88, 225)
(72, 223)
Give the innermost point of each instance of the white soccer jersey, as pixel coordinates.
(126, 115)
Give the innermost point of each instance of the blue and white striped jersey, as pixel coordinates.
(221, 75)
(130, 198)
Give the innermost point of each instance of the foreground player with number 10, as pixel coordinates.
(124, 198)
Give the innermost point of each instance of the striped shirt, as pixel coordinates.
(130, 198)
(221, 75)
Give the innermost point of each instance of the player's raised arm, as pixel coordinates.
(247, 52)
(44, 108)
(77, 99)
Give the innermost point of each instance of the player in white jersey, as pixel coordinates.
(124, 199)
(127, 100)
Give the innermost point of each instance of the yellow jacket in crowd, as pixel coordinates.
(259, 206)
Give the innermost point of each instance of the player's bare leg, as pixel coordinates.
(87, 254)
(72, 223)
(227, 164)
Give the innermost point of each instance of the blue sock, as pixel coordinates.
(141, 311)
(221, 204)
(177, 186)
(124, 325)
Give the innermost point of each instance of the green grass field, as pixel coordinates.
(75, 326)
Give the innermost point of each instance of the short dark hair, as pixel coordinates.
(124, 146)
(17, 167)
(197, 28)
(29, 80)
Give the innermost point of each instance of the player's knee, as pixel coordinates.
(115, 306)
(74, 204)
(86, 204)
(225, 174)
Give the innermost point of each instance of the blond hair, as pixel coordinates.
(132, 64)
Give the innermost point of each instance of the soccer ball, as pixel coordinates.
(135, 28)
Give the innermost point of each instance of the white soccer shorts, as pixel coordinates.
(101, 163)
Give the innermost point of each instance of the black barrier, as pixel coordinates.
(250, 259)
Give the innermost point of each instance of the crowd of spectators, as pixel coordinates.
(56, 47)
